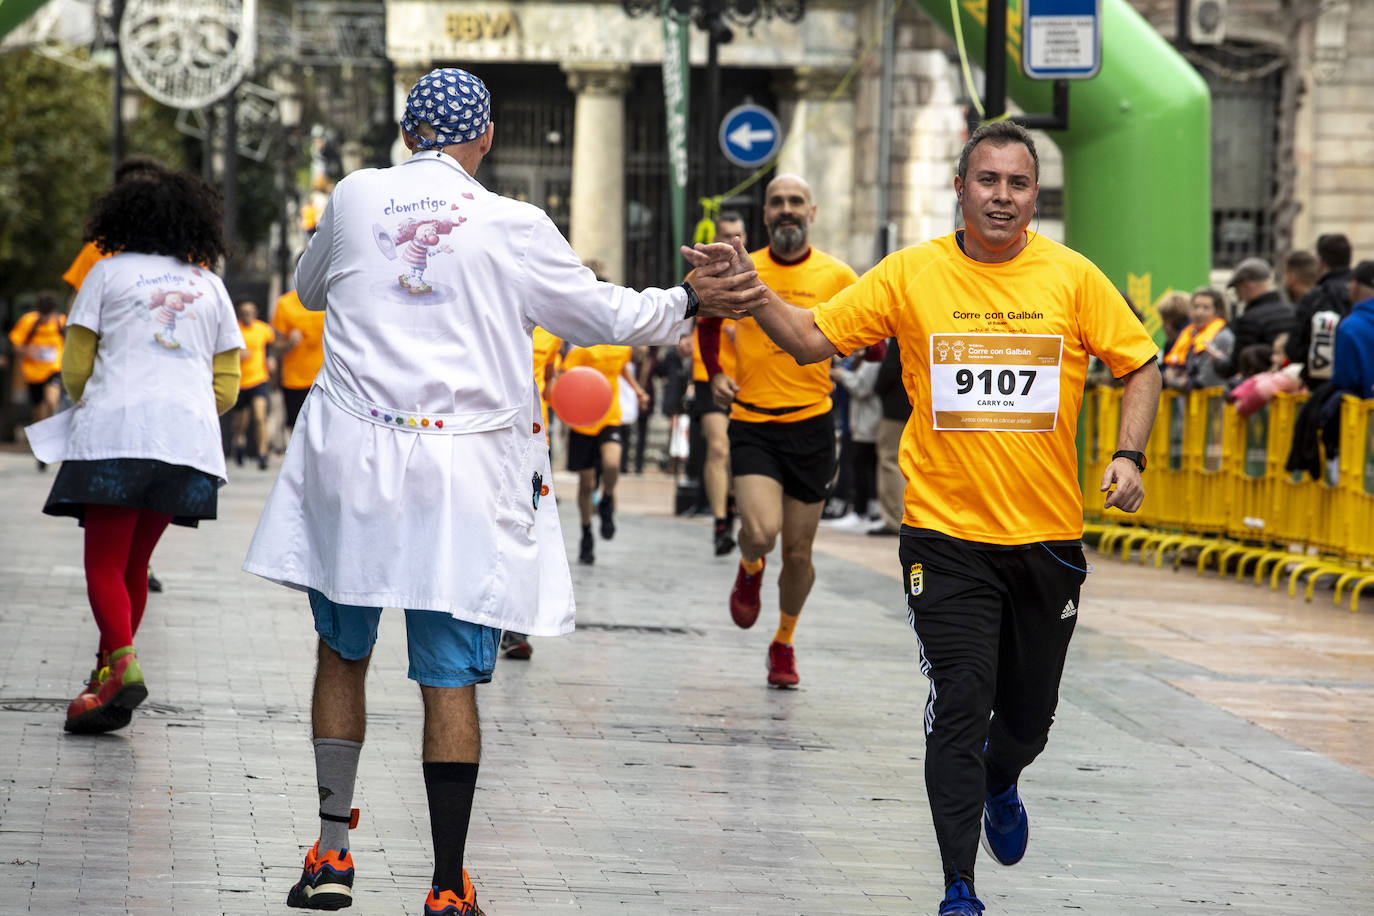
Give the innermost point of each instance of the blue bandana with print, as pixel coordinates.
(452, 101)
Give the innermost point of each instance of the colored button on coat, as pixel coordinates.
(424, 422)
(387, 418)
(439, 424)
(374, 413)
(544, 490)
(411, 421)
(537, 427)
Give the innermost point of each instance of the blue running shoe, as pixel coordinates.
(1006, 829)
(959, 901)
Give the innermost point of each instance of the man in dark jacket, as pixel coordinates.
(1265, 316)
(1312, 339)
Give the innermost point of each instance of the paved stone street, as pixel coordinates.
(1214, 750)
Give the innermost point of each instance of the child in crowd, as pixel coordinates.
(141, 448)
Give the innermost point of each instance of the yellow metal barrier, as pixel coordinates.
(1216, 484)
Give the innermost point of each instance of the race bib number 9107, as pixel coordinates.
(1007, 382)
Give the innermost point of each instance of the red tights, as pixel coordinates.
(119, 543)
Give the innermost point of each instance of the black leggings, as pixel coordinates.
(993, 626)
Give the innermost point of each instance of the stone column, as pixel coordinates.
(820, 148)
(598, 170)
(405, 76)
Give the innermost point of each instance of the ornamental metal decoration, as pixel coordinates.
(257, 114)
(744, 13)
(188, 53)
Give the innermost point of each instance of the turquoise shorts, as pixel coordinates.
(444, 651)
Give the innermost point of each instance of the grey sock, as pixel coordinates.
(336, 769)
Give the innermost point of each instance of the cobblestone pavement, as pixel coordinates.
(1212, 752)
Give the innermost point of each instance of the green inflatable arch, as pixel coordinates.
(1137, 154)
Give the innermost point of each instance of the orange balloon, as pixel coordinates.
(581, 396)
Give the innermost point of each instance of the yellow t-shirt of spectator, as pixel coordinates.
(301, 363)
(766, 375)
(609, 360)
(44, 360)
(994, 358)
(253, 363)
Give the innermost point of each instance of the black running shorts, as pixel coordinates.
(702, 402)
(800, 456)
(584, 452)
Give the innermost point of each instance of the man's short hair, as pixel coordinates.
(730, 216)
(1334, 250)
(998, 133)
(1251, 270)
(1303, 265)
(1364, 273)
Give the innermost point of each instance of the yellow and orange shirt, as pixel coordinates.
(994, 358)
(253, 364)
(546, 347)
(610, 360)
(301, 363)
(46, 338)
(82, 264)
(766, 375)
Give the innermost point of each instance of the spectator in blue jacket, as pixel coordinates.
(1354, 363)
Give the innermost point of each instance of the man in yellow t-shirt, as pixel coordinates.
(996, 327)
(37, 338)
(300, 342)
(254, 372)
(596, 449)
(782, 434)
(715, 419)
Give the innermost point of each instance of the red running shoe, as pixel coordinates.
(448, 903)
(782, 665)
(326, 882)
(744, 597)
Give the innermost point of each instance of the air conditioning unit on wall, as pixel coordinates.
(1207, 22)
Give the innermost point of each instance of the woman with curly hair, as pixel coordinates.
(152, 359)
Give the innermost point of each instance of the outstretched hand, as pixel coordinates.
(724, 279)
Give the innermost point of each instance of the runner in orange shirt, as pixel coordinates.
(300, 343)
(597, 447)
(715, 419)
(782, 434)
(254, 372)
(37, 337)
(996, 326)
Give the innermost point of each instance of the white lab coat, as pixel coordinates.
(410, 479)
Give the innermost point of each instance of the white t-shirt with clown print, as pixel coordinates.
(151, 393)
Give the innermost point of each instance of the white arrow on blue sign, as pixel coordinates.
(750, 135)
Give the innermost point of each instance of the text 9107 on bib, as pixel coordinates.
(1003, 382)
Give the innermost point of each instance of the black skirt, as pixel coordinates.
(186, 494)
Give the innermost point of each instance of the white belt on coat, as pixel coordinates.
(441, 424)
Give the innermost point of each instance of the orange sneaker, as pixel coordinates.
(782, 665)
(448, 903)
(111, 705)
(326, 881)
(744, 597)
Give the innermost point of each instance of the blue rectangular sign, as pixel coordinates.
(1061, 39)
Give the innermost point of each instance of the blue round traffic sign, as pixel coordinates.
(750, 135)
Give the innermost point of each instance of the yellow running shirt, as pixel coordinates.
(993, 360)
(253, 363)
(546, 348)
(609, 360)
(81, 265)
(766, 375)
(301, 363)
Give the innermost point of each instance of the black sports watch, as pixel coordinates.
(1137, 458)
(693, 303)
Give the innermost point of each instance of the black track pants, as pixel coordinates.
(993, 626)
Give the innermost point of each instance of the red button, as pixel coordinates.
(439, 423)
(537, 427)
(544, 490)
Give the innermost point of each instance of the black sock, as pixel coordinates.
(721, 525)
(450, 787)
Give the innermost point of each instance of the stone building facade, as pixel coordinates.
(578, 101)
